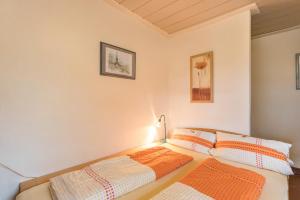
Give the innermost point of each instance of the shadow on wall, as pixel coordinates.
(9, 184)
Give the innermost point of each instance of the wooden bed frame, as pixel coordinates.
(43, 179)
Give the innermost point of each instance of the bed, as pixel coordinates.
(276, 186)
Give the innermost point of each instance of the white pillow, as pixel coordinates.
(200, 141)
(261, 153)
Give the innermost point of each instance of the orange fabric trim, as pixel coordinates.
(161, 160)
(224, 182)
(194, 139)
(253, 148)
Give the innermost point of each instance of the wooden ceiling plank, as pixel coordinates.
(133, 4)
(275, 15)
(207, 15)
(275, 25)
(153, 6)
(283, 18)
(289, 10)
(170, 10)
(266, 4)
(190, 12)
(275, 10)
(175, 15)
(211, 12)
(279, 22)
(258, 32)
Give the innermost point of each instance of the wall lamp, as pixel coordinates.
(163, 117)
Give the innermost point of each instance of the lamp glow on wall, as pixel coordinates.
(151, 136)
(158, 124)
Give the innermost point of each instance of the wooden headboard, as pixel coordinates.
(215, 131)
(43, 179)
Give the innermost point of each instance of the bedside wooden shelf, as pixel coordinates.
(294, 185)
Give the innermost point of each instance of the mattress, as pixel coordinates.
(276, 186)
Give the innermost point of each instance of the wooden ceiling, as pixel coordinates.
(275, 15)
(175, 15)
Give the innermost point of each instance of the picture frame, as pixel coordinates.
(298, 71)
(201, 78)
(117, 62)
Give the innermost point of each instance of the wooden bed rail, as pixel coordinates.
(43, 179)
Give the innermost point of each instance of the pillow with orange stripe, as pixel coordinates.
(195, 140)
(265, 154)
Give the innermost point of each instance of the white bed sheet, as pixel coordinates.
(276, 186)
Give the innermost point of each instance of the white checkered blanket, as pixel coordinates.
(105, 180)
(180, 191)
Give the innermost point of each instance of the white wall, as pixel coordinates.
(56, 110)
(229, 40)
(275, 100)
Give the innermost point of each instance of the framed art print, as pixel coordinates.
(201, 78)
(298, 71)
(117, 62)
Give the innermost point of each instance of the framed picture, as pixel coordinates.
(116, 61)
(298, 71)
(201, 78)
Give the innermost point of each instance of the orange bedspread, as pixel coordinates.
(162, 160)
(225, 182)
